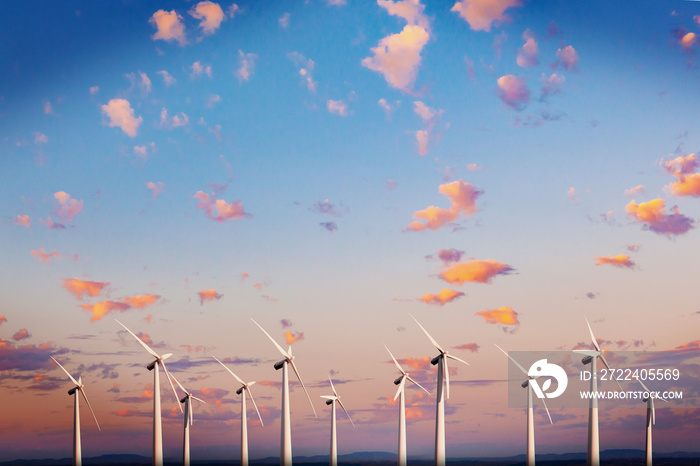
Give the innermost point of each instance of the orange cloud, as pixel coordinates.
(463, 197)
(121, 115)
(481, 14)
(146, 339)
(443, 297)
(293, 337)
(687, 181)
(45, 257)
(169, 27)
(416, 364)
(67, 207)
(208, 295)
(102, 308)
(2, 319)
(620, 260)
(503, 315)
(224, 211)
(210, 14)
(23, 220)
(653, 215)
(141, 301)
(688, 41)
(397, 56)
(21, 335)
(513, 91)
(79, 288)
(479, 271)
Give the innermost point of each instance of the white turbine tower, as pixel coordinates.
(79, 387)
(593, 456)
(189, 420)
(330, 400)
(286, 434)
(443, 379)
(530, 459)
(400, 393)
(245, 387)
(157, 427)
(651, 419)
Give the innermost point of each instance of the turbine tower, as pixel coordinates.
(187, 401)
(400, 393)
(331, 400)
(157, 427)
(651, 419)
(286, 434)
(245, 387)
(443, 379)
(530, 458)
(79, 387)
(593, 456)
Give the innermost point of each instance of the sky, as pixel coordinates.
(497, 169)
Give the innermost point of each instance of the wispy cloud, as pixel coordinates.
(527, 54)
(462, 196)
(567, 57)
(23, 220)
(44, 256)
(247, 65)
(208, 295)
(218, 209)
(443, 297)
(156, 188)
(446, 255)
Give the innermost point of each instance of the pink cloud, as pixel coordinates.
(121, 115)
(639, 189)
(473, 347)
(67, 207)
(551, 85)
(156, 188)
(337, 107)
(462, 196)
(208, 295)
(482, 14)
(567, 57)
(513, 92)
(3, 319)
(247, 65)
(210, 14)
(410, 10)
(224, 211)
(652, 214)
(397, 56)
(244, 275)
(169, 25)
(23, 220)
(527, 54)
(688, 41)
(49, 223)
(422, 139)
(21, 335)
(447, 255)
(687, 181)
(45, 257)
(330, 226)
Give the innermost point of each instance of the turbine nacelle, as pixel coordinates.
(436, 360)
(280, 365)
(587, 360)
(398, 381)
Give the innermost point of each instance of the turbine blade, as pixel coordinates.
(256, 406)
(82, 392)
(447, 375)
(653, 411)
(230, 371)
(64, 370)
(346, 412)
(167, 373)
(332, 387)
(586, 352)
(643, 386)
(401, 387)
(395, 361)
(432, 340)
(602, 358)
(522, 369)
(148, 348)
(595, 342)
(419, 385)
(303, 386)
(327, 397)
(198, 399)
(457, 359)
(284, 353)
(545, 408)
(178, 384)
(189, 409)
(250, 384)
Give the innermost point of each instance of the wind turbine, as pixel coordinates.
(400, 393)
(157, 427)
(443, 379)
(245, 387)
(286, 434)
(530, 459)
(79, 387)
(187, 401)
(330, 400)
(593, 457)
(651, 419)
